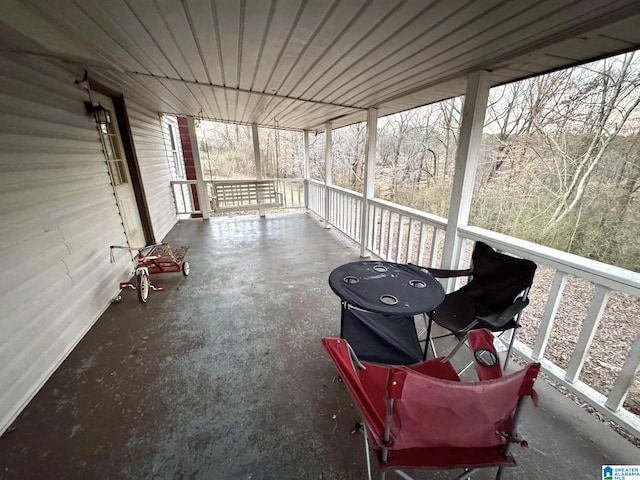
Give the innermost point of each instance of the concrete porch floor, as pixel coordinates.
(223, 376)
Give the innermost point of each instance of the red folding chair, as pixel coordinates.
(423, 417)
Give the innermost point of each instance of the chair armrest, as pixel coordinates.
(500, 319)
(442, 273)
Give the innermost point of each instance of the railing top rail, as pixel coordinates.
(183, 182)
(316, 182)
(345, 191)
(243, 181)
(609, 276)
(429, 218)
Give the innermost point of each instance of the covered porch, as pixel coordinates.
(223, 376)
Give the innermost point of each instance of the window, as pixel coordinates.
(113, 152)
(177, 161)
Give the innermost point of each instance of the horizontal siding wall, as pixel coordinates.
(155, 166)
(58, 216)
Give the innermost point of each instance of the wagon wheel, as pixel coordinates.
(185, 269)
(143, 287)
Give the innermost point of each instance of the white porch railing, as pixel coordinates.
(292, 190)
(346, 211)
(402, 234)
(182, 196)
(316, 194)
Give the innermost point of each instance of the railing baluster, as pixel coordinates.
(351, 209)
(381, 237)
(389, 237)
(589, 326)
(412, 232)
(423, 228)
(433, 255)
(626, 377)
(549, 315)
(184, 199)
(399, 239)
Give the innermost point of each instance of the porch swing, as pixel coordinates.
(238, 195)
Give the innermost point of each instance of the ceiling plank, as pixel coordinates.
(329, 32)
(468, 57)
(152, 20)
(96, 11)
(200, 15)
(285, 20)
(227, 23)
(363, 27)
(254, 33)
(178, 26)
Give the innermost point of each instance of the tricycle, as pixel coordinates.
(155, 258)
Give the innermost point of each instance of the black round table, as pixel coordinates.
(379, 301)
(386, 288)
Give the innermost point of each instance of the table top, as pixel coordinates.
(387, 288)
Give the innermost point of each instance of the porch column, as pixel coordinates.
(256, 157)
(327, 171)
(369, 178)
(475, 106)
(203, 195)
(256, 150)
(307, 171)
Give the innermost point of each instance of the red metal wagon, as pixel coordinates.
(156, 258)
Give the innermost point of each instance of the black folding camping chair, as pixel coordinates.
(493, 298)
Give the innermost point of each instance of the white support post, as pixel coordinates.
(589, 327)
(369, 178)
(327, 172)
(307, 168)
(256, 150)
(473, 113)
(203, 196)
(256, 156)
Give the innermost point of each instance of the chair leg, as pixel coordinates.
(433, 348)
(428, 339)
(461, 342)
(513, 339)
(366, 450)
(401, 474)
(468, 472)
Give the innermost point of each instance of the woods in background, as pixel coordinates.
(559, 163)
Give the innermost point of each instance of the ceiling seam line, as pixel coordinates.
(114, 40)
(284, 47)
(395, 32)
(366, 35)
(144, 27)
(426, 48)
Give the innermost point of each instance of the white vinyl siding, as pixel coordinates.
(58, 216)
(148, 138)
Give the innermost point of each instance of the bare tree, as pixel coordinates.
(602, 99)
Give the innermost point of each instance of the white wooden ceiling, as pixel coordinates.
(300, 63)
